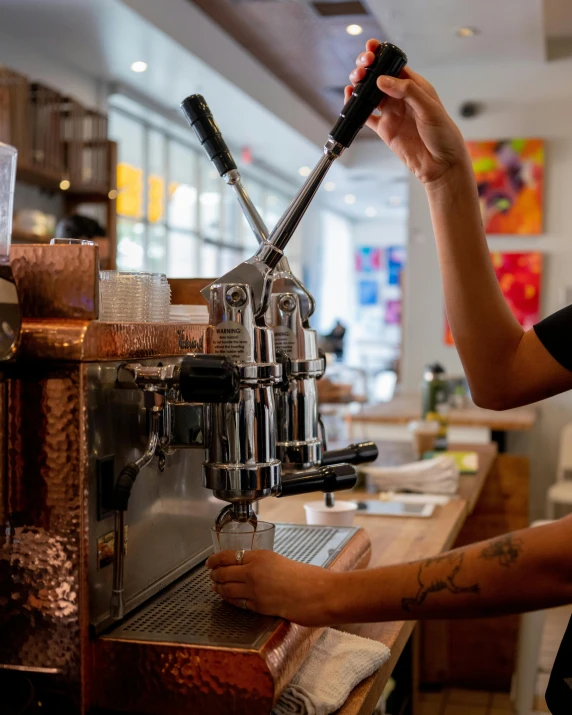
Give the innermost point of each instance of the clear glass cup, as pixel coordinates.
(8, 158)
(237, 535)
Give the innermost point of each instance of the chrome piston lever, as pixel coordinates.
(201, 120)
(389, 60)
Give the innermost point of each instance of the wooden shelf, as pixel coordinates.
(37, 177)
(25, 237)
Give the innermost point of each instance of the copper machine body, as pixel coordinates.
(67, 427)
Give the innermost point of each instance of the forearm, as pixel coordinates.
(518, 572)
(486, 333)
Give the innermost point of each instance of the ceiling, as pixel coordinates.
(305, 44)
(272, 70)
(312, 53)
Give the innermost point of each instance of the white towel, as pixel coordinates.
(430, 476)
(335, 665)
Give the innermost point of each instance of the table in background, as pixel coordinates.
(395, 540)
(388, 420)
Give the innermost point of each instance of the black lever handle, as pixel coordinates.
(352, 454)
(389, 60)
(209, 378)
(200, 118)
(335, 478)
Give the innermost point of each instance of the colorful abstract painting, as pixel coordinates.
(395, 257)
(368, 259)
(519, 276)
(392, 312)
(510, 179)
(368, 292)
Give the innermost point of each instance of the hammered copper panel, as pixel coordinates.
(41, 546)
(89, 341)
(60, 281)
(176, 679)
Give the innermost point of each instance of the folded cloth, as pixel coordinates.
(335, 665)
(430, 476)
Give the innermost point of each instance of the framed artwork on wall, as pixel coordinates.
(510, 180)
(395, 257)
(520, 277)
(368, 292)
(369, 259)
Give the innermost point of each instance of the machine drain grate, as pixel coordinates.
(190, 612)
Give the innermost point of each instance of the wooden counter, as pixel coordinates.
(395, 540)
(406, 408)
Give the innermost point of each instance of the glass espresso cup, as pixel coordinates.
(237, 535)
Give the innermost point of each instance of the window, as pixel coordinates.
(175, 214)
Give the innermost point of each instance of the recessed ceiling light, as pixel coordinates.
(139, 66)
(350, 199)
(394, 200)
(467, 32)
(64, 185)
(354, 29)
(329, 186)
(370, 212)
(304, 171)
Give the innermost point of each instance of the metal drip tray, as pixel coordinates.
(190, 612)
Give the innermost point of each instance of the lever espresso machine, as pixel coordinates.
(108, 426)
(279, 299)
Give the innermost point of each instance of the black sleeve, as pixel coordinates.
(555, 333)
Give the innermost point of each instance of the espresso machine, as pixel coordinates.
(300, 439)
(122, 444)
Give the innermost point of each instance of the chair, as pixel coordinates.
(561, 491)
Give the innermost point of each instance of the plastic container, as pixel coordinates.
(189, 314)
(8, 158)
(134, 297)
(340, 514)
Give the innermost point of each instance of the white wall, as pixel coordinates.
(514, 116)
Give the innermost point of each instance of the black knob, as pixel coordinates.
(353, 454)
(209, 378)
(200, 118)
(389, 60)
(335, 478)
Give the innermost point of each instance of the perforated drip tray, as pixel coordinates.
(190, 612)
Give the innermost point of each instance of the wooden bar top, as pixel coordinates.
(395, 540)
(406, 408)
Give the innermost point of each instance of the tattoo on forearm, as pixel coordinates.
(439, 574)
(505, 550)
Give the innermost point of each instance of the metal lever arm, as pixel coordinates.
(201, 120)
(322, 479)
(389, 60)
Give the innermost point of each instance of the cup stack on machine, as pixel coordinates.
(147, 433)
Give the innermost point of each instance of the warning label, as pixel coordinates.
(285, 340)
(232, 339)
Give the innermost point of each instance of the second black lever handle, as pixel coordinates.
(321, 479)
(389, 60)
(200, 118)
(352, 454)
(209, 378)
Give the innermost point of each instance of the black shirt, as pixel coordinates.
(555, 333)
